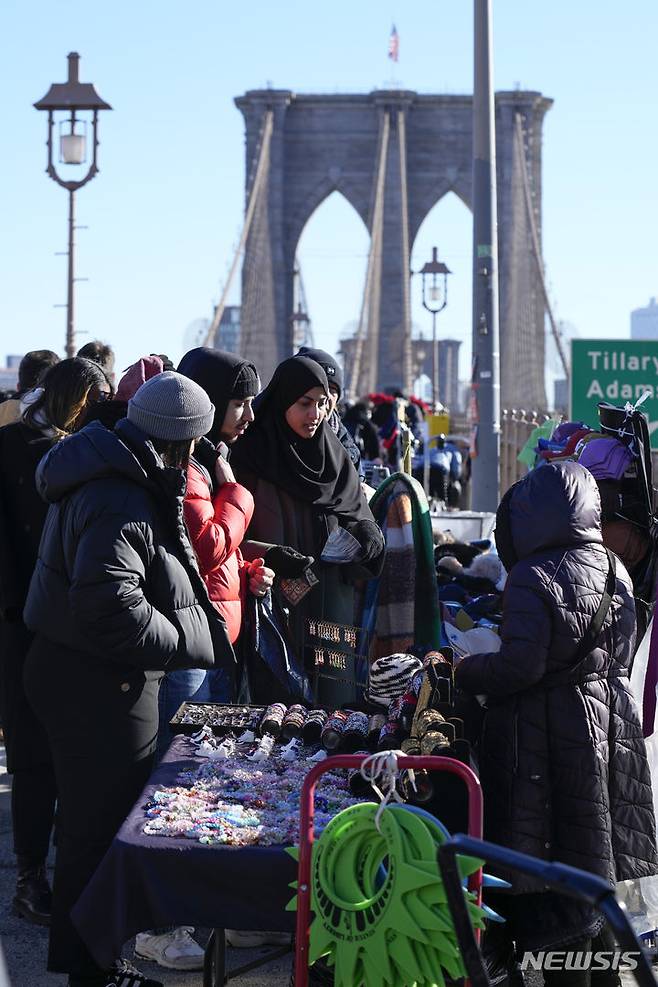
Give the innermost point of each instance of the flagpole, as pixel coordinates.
(393, 54)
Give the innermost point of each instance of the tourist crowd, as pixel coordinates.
(141, 522)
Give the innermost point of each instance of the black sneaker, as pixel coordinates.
(122, 974)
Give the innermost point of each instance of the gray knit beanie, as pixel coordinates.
(171, 407)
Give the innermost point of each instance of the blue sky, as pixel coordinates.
(165, 210)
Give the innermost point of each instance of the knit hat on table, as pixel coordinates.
(171, 407)
(390, 677)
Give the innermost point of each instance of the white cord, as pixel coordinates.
(383, 764)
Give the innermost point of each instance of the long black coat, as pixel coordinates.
(22, 512)
(564, 768)
(22, 516)
(116, 600)
(116, 583)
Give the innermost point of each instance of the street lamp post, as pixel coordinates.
(73, 98)
(435, 298)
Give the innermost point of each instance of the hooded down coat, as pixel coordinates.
(563, 766)
(217, 524)
(116, 580)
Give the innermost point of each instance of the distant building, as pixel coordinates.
(227, 336)
(561, 396)
(465, 392)
(644, 321)
(448, 356)
(450, 393)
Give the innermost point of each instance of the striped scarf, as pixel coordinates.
(400, 608)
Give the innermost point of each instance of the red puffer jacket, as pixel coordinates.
(217, 528)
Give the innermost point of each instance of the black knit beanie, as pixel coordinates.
(247, 384)
(330, 366)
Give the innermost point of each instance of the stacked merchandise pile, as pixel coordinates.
(416, 703)
(471, 579)
(247, 790)
(618, 456)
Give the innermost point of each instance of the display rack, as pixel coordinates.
(306, 833)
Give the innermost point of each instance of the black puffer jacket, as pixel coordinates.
(563, 767)
(116, 577)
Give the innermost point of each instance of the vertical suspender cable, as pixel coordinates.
(407, 363)
(374, 260)
(535, 245)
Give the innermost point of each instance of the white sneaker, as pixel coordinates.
(175, 950)
(249, 940)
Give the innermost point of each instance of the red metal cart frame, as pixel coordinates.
(306, 834)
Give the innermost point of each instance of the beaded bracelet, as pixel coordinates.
(237, 802)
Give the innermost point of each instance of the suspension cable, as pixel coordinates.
(374, 260)
(407, 382)
(557, 336)
(261, 173)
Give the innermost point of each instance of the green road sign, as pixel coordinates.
(617, 371)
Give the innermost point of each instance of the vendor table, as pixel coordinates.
(147, 882)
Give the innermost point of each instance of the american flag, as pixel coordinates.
(394, 44)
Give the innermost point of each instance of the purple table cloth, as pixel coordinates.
(146, 882)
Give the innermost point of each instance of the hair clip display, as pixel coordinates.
(220, 717)
(244, 802)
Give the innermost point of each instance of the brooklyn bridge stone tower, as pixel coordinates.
(393, 155)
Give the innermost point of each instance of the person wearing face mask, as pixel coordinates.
(305, 487)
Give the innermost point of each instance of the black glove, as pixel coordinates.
(286, 561)
(370, 538)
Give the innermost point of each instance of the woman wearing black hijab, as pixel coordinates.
(305, 487)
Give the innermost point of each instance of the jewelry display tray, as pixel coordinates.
(222, 718)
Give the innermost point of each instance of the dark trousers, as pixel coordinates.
(438, 480)
(538, 922)
(101, 724)
(94, 801)
(605, 942)
(33, 797)
(33, 792)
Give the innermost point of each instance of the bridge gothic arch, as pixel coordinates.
(326, 143)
